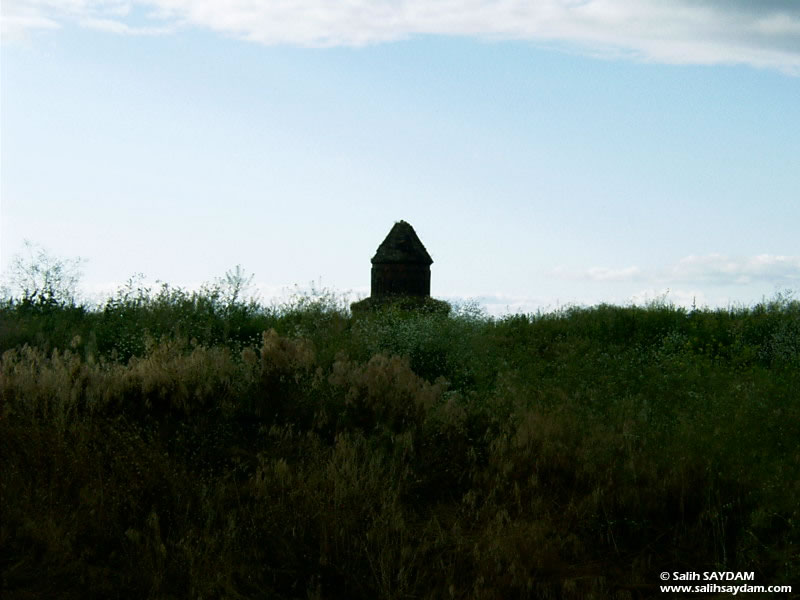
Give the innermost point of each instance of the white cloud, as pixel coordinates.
(499, 304)
(115, 26)
(723, 270)
(16, 26)
(603, 274)
(716, 269)
(686, 298)
(761, 34)
(600, 274)
(17, 18)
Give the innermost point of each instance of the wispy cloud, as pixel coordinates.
(723, 270)
(114, 26)
(500, 304)
(714, 269)
(17, 19)
(625, 274)
(604, 274)
(762, 34)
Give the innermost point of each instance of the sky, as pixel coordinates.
(551, 153)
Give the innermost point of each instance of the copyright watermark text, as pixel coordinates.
(716, 582)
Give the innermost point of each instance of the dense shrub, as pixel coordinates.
(182, 445)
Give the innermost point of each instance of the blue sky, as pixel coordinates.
(547, 154)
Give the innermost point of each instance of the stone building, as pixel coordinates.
(401, 274)
(402, 265)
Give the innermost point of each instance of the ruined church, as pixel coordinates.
(401, 273)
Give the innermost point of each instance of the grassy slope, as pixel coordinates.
(172, 445)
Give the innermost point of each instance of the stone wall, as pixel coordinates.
(400, 280)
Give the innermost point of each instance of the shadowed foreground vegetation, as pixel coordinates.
(185, 445)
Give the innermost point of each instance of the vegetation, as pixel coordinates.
(175, 444)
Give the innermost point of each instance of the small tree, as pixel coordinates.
(230, 291)
(43, 279)
(235, 284)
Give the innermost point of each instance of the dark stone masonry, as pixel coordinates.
(402, 265)
(401, 273)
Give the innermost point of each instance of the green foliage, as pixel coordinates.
(191, 444)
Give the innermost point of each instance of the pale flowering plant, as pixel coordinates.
(36, 277)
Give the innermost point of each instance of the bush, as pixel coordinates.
(177, 444)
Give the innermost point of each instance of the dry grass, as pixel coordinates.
(396, 456)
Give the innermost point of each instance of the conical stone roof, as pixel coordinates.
(402, 246)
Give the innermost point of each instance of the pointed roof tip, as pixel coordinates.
(402, 245)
